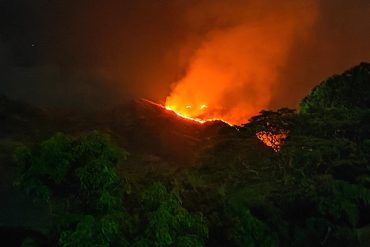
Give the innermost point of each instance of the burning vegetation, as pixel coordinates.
(185, 114)
(272, 137)
(275, 141)
(269, 138)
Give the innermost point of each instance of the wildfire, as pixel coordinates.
(272, 140)
(184, 116)
(235, 70)
(185, 113)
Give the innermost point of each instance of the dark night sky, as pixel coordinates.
(63, 53)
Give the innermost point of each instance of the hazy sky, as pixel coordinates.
(93, 52)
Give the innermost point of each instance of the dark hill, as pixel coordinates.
(155, 138)
(19, 120)
(140, 126)
(314, 189)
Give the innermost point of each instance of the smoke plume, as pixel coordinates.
(206, 58)
(232, 74)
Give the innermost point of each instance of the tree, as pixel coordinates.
(348, 90)
(244, 229)
(167, 222)
(77, 177)
(272, 127)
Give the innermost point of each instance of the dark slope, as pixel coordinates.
(22, 121)
(140, 126)
(149, 128)
(152, 135)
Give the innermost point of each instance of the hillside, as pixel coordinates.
(183, 183)
(140, 126)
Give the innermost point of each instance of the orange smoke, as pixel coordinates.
(233, 73)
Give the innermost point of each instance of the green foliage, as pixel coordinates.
(78, 178)
(246, 230)
(83, 235)
(318, 155)
(349, 90)
(323, 210)
(44, 168)
(341, 200)
(314, 192)
(275, 122)
(168, 223)
(91, 231)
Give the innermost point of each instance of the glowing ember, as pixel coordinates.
(275, 141)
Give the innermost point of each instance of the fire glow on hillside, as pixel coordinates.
(169, 108)
(188, 108)
(274, 141)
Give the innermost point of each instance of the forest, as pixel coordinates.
(139, 176)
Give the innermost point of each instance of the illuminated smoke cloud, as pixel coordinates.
(232, 74)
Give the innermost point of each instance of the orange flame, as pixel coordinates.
(199, 120)
(184, 116)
